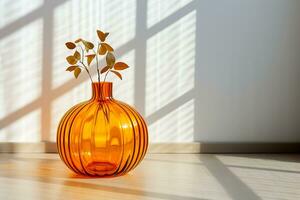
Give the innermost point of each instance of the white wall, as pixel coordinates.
(249, 71)
(202, 70)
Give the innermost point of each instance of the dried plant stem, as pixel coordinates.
(104, 80)
(86, 69)
(106, 75)
(82, 52)
(97, 61)
(101, 88)
(105, 113)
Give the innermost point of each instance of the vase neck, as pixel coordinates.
(102, 90)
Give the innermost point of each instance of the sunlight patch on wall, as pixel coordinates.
(159, 10)
(25, 129)
(14, 10)
(123, 90)
(20, 66)
(75, 19)
(170, 63)
(62, 104)
(176, 126)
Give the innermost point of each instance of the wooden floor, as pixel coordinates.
(160, 176)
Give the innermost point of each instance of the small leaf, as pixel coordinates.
(78, 40)
(117, 73)
(120, 66)
(102, 36)
(70, 45)
(108, 47)
(77, 55)
(90, 58)
(110, 59)
(104, 69)
(102, 50)
(88, 45)
(71, 68)
(77, 71)
(71, 60)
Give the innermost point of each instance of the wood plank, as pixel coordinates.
(159, 176)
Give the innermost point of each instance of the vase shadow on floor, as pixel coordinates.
(79, 176)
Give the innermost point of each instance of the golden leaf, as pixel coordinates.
(77, 71)
(104, 69)
(107, 46)
(78, 40)
(102, 36)
(71, 68)
(70, 45)
(120, 66)
(90, 58)
(102, 50)
(88, 45)
(110, 59)
(117, 73)
(77, 55)
(71, 60)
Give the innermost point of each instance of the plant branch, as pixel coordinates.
(106, 75)
(98, 72)
(82, 53)
(85, 67)
(97, 61)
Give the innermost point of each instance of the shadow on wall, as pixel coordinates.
(157, 39)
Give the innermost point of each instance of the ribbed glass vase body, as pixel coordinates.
(102, 136)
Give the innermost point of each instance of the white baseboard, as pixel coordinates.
(39, 147)
(192, 147)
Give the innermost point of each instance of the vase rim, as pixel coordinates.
(102, 82)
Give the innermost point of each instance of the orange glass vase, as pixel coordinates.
(102, 136)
